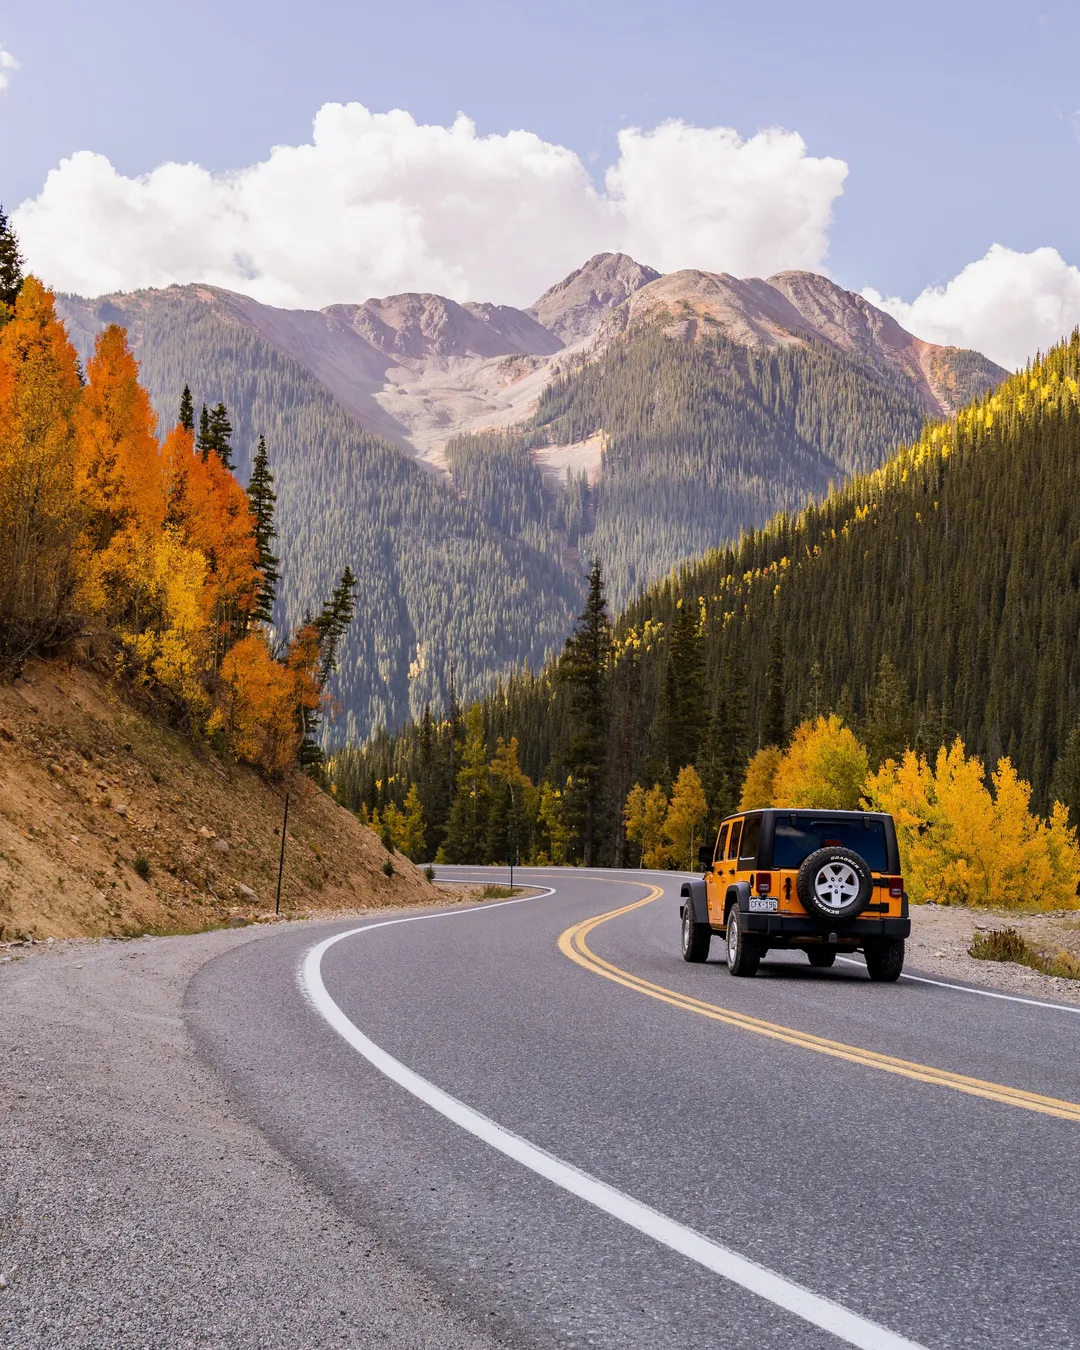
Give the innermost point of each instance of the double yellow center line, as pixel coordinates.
(572, 943)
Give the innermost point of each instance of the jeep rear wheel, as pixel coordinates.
(885, 959)
(743, 953)
(695, 936)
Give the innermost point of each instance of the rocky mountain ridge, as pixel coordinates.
(418, 368)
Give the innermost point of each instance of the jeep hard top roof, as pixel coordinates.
(819, 813)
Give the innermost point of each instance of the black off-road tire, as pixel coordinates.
(884, 959)
(834, 885)
(821, 958)
(696, 937)
(743, 953)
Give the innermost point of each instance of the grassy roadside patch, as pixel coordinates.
(1007, 944)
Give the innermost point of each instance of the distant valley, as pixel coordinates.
(465, 457)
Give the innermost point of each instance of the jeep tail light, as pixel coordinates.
(764, 883)
(896, 888)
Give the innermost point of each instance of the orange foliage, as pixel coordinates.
(39, 393)
(118, 471)
(152, 544)
(303, 660)
(259, 706)
(209, 508)
(219, 523)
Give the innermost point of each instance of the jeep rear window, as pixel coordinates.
(800, 835)
(748, 847)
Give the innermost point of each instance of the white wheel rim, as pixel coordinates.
(686, 932)
(836, 885)
(732, 936)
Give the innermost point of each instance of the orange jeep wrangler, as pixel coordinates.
(825, 881)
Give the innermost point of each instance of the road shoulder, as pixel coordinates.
(138, 1208)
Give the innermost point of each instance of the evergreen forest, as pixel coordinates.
(930, 602)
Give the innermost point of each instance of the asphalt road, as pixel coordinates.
(905, 1152)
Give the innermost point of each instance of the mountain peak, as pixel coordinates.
(419, 326)
(573, 307)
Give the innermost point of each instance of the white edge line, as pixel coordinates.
(813, 1308)
(982, 993)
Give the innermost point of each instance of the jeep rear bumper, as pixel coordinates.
(781, 929)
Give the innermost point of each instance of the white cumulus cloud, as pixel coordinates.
(378, 203)
(8, 67)
(703, 197)
(1007, 305)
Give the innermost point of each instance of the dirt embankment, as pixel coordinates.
(111, 823)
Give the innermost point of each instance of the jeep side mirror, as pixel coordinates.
(704, 854)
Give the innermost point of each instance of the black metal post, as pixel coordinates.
(513, 834)
(281, 858)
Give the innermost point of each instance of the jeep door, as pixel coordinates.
(715, 881)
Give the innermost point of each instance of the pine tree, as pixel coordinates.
(202, 441)
(329, 628)
(687, 706)
(584, 670)
(334, 618)
(774, 728)
(1065, 786)
(261, 497)
(729, 742)
(215, 431)
(889, 728)
(187, 410)
(11, 268)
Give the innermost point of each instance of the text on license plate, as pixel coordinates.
(763, 904)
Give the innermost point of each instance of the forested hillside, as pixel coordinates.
(700, 442)
(441, 594)
(937, 596)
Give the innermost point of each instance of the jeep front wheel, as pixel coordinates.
(695, 936)
(885, 959)
(821, 958)
(743, 954)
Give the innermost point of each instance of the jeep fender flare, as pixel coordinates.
(694, 893)
(739, 894)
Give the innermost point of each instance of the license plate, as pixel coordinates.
(763, 904)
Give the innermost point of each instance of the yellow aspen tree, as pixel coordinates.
(633, 814)
(684, 823)
(39, 516)
(413, 837)
(757, 791)
(825, 766)
(656, 809)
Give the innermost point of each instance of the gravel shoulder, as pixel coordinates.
(942, 934)
(138, 1209)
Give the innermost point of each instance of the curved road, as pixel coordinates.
(587, 1142)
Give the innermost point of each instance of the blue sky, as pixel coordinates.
(959, 123)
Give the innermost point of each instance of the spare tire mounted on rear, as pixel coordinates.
(834, 884)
